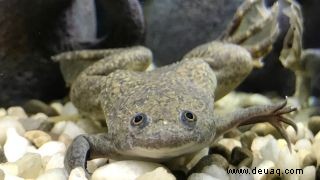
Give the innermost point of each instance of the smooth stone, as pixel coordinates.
(288, 160)
(303, 132)
(9, 168)
(17, 111)
(317, 136)
(209, 160)
(309, 160)
(220, 149)
(55, 161)
(2, 175)
(246, 139)
(51, 148)
(65, 139)
(201, 176)
(34, 122)
(234, 133)
(190, 160)
(270, 151)
(309, 173)
(302, 153)
(314, 124)
(315, 150)
(159, 173)
(30, 166)
(68, 128)
(263, 129)
(3, 112)
(9, 122)
(11, 177)
(37, 137)
(2, 156)
(229, 143)
(303, 144)
(69, 109)
(241, 156)
(46, 126)
(260, 142)
(36, 106)
(54, 174)
(57, 107)
(16, 146)
(77, 174)
(265, 165)
(216, 171)
(95, 164)
(124, 170)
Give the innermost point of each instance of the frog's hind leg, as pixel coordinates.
(254, 27)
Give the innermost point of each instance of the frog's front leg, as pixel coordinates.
(272, 114)
(85, 147)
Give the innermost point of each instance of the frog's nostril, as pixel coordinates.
(188, 118)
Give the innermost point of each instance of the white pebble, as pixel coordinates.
(15, 146)
(216, 171)
(309, 173)
(30, 166)
(9, 168)
(17, 111)
(95, 163)
(157, 174)
(57, 106)
(69, 109)
(54, 174)
(230, 143)
(302, 153)
(55, 161)
(11, 177)
(9, 122)
(303, 144)
(260, 142)
(68, 128)
(201, 176)
(287, 160)
(77, 174)
(125, 170)
(270, 151)
(3, 112)
(51, 148)
(315, 150)
(265, 165)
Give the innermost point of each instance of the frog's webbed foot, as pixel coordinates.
(272, 114)
(254, 27)
(102, 62)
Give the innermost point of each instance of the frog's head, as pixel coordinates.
(161, 115)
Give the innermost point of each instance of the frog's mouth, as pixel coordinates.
(165, 152)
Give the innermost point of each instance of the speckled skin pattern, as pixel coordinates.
(167, 112)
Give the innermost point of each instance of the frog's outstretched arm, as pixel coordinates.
(257, 114)
(249, 37)
(85, 147)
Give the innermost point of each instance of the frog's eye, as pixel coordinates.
(139, 119)
(188, 118)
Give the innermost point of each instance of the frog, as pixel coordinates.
(168, 112)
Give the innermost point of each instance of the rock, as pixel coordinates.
(10, 177)
(2, 156)
(65, 139)
(17, 111)
(77, 174)
(303, 144)
(57, 107)
(229, 143)
(309, 160)
(234, 133)
(123, 170)
(209, 160)
(3, 112)
(36, 106)
(54, 174)
(157, 174)
(201, 176)
(68, 128)
(30, 166)
(216, 171)
(246, 139)
(220, 149)
(241, 157)
(55, 162)
(263, 129)
(9, 122)
(1, 174)
(69, 109)
(95, 164)
(52, 147)
(9, 168)
(15, 146)
(314, 124)
(260, 142)
(37, 137)
(287, 160)
(309, 173)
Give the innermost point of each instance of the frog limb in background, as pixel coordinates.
(303, 62)
(168, 112)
